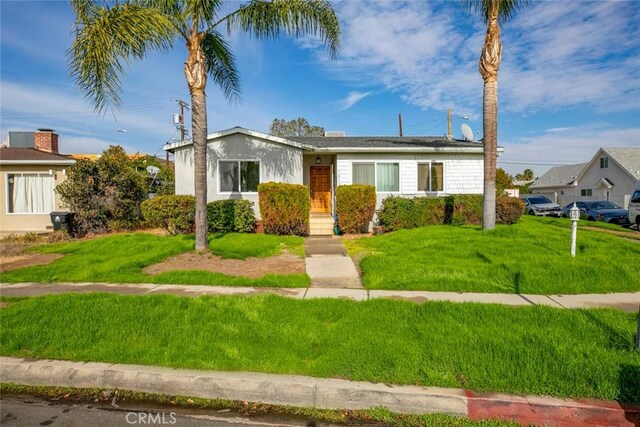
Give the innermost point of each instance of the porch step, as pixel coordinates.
(321, 225)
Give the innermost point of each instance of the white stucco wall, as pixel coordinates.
(463, 173)
(278, 163)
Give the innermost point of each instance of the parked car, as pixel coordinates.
(634, 207)
(540, 206)
(599, 210)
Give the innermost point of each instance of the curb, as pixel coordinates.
(321, 393)
(273, 389)
(547, 411)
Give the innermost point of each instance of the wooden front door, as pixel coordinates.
(320, 187)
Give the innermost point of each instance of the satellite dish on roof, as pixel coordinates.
(467, 133)
(153, 170)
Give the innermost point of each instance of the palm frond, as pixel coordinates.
(106, 40)
(506, 8)
(204, 11)
(221, 65)
(268, 19)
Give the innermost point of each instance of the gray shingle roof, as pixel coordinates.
(559, 176)
(627, 157)
(382, 142)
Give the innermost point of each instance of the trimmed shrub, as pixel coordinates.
(226, 216)
(176, 214)
(355, 206)
(399, 212)
(284, 208)
(508, 209)
(464, 209)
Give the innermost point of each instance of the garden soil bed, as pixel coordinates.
(26, 260)
(251, 267)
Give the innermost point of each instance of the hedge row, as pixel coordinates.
(355, 206)
(176, 214)
(284, 208)
(398, 213)
(226, 216)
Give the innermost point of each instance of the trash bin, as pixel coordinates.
(62, 221)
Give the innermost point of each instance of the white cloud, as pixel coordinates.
(351, 99)
(556, 54)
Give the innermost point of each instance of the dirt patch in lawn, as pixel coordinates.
(26, 260)
(253, 268)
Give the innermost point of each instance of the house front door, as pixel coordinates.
(320, 188)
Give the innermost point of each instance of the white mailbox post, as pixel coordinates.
(574, 214)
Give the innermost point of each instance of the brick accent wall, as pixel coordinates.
(46, 140)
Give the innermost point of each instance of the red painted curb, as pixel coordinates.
(550, 411)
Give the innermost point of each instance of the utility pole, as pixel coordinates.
(449, 134)
(400, 123)
(182, 105)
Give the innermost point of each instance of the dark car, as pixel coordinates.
(540, 206)
(599, 210)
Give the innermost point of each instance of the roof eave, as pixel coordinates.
(339, 150)
(37, 162)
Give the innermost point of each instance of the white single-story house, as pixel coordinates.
(239, 159)
(612, 174)
(30, 169)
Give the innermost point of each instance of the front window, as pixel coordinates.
(538, 200)
(430, 177)
(30, 193)
(384, 176)
(586, 192)
(635, 198)
(603, 205)
(239, 176)
(388, 179)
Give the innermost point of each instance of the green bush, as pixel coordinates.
(399, 212)
(284, 208)
(227, 216)
(355, 206)
(104, 194)
(464, 209)
(176, 214)
(508, 209)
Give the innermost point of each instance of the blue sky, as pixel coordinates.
(569, 82)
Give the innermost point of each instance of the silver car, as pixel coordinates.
(540, 206)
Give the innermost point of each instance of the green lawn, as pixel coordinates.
(121, 259)
(531, 256)
(482, 347)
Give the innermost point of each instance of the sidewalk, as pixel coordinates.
(328, 265)
(623, 301)
(325, 393)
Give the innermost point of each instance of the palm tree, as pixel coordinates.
(493, 12)
(109, 35)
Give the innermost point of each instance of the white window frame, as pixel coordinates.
(604, 162)
(375, 173)
(238, 162)
(444, 180)
(8, 195)
(586, 192)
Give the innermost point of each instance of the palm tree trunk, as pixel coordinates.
(195, 71)
(488, 67)
(490, 132)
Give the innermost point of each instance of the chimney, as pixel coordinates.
(46, 140)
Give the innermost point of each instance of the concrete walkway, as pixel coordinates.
(623, 301)
(328, 265)
(310, 392)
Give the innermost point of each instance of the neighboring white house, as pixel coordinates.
(239, 159)
(612, 174)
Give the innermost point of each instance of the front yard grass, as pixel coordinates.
(482, 347)
(531, 256)
(121, 258)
